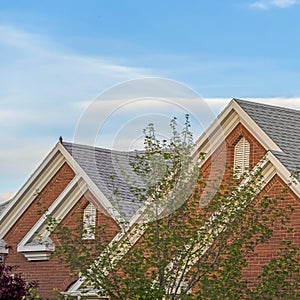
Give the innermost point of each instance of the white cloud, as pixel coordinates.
(39, 83)
(267, 4)
(122, 128)
(44, 89)
(32, 65)
(292, 102)
(283, 3)
(22, 160)
(259, 5)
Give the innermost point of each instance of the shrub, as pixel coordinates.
(14, 286)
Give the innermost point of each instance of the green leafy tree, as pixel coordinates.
(177, 248)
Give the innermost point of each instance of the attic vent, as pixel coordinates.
(241, 156)
(89, 222)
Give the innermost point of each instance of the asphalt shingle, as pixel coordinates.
(110, 171)
(282, 125)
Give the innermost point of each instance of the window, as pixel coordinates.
(241, 156)
(89, 222)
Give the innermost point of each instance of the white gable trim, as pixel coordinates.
(216, 134)
(284, 174)
(58, 210)
(38, 180)
(104, 202)
(229, 118)
(259, 134)
(134, 233)
(208, 142)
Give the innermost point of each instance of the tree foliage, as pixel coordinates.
(179, 249)
(13, 285)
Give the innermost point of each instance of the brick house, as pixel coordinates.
(74, 181)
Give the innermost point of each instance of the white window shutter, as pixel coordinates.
(241, 156)
(89, 222)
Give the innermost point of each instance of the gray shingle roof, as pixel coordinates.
(282, 125)
(109, 170)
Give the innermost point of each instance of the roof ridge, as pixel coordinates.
(93, 148)
(278, 107)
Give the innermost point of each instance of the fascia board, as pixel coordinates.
(60, 207)
(216, 133)
(284, 174)
(37, 181)
(56, 210)
(212, 137)
(268, 172)
(104, 202)
(209, 141)
(75, 286)
(259, 134)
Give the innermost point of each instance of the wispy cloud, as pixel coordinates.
(267, 4)
(40, 83)
(44, 89)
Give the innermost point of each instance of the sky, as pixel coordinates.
(96, 71)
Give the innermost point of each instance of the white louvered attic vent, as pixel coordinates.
(241, 156)
(89, 222)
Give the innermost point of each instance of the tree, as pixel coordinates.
(13, 286)
(178, 249)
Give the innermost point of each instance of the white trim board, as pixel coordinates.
(37, 181)
(40, 178)
(72, 191)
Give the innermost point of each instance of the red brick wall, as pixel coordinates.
(46, 271)
(276, 187)
(52, 275)
(222, 160)
(265, 252)
(256, 150)
(220, 163)
(269, 250)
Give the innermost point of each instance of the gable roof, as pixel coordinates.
(282, 125)
(275, 127)
(110, 170)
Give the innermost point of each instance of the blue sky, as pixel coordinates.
(57, 56)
